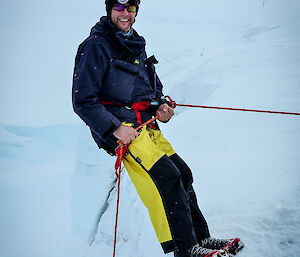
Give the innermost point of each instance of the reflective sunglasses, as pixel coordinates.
(121, 7)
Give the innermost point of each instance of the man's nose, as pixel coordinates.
(125, 11)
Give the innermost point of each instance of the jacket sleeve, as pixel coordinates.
(90, 67)
(159, 94)
(157, 83)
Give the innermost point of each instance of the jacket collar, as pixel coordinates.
(135, 44)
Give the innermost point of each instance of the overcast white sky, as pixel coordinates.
(39, 41)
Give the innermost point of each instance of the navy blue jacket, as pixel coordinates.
(112, 67)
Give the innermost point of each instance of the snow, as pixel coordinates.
(7, 138)
(57, 189)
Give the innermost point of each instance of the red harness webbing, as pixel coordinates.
(138, 107)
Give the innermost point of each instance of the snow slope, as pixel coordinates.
(35, 189)
(58, 197)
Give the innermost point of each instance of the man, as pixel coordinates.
(116, 89)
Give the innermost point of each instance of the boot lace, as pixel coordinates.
(213, 243)
(197, 249)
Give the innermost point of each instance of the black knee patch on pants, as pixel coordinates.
(168, 179)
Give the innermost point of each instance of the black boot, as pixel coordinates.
(199, 251)
(231, 246)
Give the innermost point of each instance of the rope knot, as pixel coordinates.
(171, 102)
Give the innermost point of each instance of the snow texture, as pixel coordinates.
(57, 189)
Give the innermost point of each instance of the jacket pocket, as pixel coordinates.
(126, 66)
(120, 79)
(133, 69)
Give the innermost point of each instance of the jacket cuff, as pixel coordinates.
(165, 121)
(163, 100)
(115, 125)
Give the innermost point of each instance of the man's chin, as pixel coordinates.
(124, 28)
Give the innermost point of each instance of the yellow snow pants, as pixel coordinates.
(159, 175)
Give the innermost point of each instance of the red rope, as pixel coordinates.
(122, 149)
(174, 104)
(117, 212)
(146, 123)
(120, 152)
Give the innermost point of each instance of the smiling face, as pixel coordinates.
(123, 19)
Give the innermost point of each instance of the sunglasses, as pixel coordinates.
(121, 7)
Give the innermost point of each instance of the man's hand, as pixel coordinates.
(126, 134)
(164, 112)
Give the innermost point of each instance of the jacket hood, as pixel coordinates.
(102, 26)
